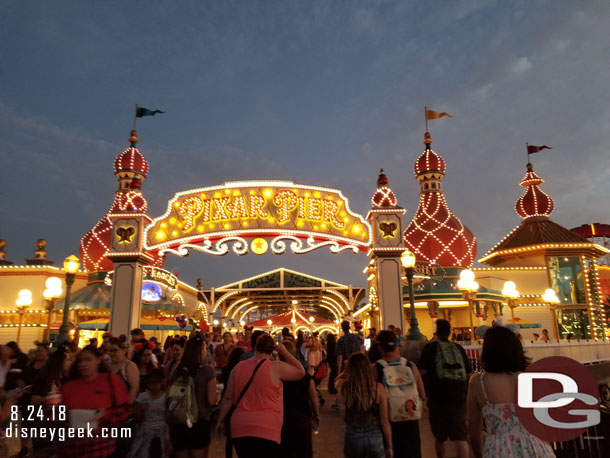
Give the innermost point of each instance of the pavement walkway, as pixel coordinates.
(329, 442)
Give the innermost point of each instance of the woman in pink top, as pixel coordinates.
(256, 424)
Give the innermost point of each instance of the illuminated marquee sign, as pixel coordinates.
(303, 217)
(161, 275)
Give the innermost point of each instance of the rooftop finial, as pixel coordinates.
(133, 139)
(427, 140)
(382, 180)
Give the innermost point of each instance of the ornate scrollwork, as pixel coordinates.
(278, 245)
(218, 248)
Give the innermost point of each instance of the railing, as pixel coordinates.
(584, 351)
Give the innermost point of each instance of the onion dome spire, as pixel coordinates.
(533, 201)
(130, 168)
(435, 234)
(130, 163)
(384, 196)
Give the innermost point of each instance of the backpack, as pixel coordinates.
(404, 402)
(181, 402)
(449, 362)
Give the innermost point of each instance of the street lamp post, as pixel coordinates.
(551, 298)
(71, 266)
(52, 292)
(407, 260)
(511, 294)
(469, 288)
(24, 300)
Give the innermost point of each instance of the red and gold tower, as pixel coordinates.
(435, 234)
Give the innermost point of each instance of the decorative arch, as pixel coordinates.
(221, 218)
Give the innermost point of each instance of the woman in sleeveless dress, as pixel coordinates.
(490, 400)
(367, 432)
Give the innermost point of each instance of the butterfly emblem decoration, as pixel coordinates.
(388, 229)
(125, 234)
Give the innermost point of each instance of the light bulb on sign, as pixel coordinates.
(215, 322)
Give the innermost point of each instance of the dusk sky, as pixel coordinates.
(318, 92)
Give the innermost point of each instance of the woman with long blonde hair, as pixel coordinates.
(366, 412)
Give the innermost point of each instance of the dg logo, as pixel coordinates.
(557, 399)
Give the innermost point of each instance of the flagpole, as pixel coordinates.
(426, 117)
(135, 116)
(527, 152)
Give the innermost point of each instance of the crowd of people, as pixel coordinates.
(261, 394)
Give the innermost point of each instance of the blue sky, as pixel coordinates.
(318, 92)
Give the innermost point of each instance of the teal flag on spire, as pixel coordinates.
(146, 112)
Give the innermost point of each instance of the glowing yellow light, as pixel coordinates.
(174, 233)
(267, 192)
(259, 246)
(300, 223)
(245, 223)
(176, 204)
(160, 235)
(172, 220)
(356, 229)
(200, 228)
(163, 225)
(227, 226)
(227, 191)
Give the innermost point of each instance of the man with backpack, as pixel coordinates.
(446, 369)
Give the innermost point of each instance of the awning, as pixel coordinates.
(524, 323)
(146, 324)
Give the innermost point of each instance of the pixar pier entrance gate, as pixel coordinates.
(255, 216)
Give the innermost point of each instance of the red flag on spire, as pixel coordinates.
(531, 149)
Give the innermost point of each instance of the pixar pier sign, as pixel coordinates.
(279, 214)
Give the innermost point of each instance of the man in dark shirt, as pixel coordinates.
(446, 397)
(347, 346)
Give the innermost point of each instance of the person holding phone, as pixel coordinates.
(256, 423)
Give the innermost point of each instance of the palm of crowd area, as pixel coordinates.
(252, 396)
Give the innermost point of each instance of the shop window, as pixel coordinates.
(567, 279)
(573, 324)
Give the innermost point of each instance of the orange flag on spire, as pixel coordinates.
(431, 114)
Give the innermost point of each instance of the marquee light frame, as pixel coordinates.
(281, 224)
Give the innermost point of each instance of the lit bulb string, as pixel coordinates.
(245, 280)
(440, 165)
(254, 184)
(426, 213)
(205, 242)
(123, 201)
(385, 197)
(96, 232)
(126, 161)
(590, 302)
(543, 246)
(533, 193)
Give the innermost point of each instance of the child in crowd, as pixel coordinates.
(149, 409)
